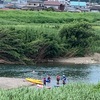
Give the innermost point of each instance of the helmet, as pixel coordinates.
(63, 75)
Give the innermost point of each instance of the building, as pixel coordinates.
(35, 3)
(61, 1)
(95, 8)
(15, 1)
(54, 4)
(78, 4)
(19, 1)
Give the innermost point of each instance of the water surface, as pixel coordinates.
(75, 72)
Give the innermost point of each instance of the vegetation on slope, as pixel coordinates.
(26, 35)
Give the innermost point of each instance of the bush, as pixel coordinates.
(77, 36)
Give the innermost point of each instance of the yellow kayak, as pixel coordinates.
(35, 81)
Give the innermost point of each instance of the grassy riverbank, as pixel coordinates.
(75, 91)
(31, 36)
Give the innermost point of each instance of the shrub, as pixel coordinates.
(77, 36)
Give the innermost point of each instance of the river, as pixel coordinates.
(87, 73)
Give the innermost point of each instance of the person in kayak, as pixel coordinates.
(58, 79)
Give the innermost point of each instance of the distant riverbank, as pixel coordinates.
(95, 59)
(79, 60)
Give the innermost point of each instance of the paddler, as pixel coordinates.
(64, 79)
(44, 81)
(48, 79)
(58, 79)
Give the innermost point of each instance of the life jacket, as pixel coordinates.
(64, 78)
(48, 79)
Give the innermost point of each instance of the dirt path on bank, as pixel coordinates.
(8, 83)
(77, 60)
(95, 59)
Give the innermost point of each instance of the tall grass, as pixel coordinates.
(73, 91)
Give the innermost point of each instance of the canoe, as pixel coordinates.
(35, 81)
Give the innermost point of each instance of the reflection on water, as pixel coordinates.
(74, 73)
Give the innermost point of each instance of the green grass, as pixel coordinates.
(25, 17)
(73, 91)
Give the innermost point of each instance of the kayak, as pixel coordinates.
(35, 81)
